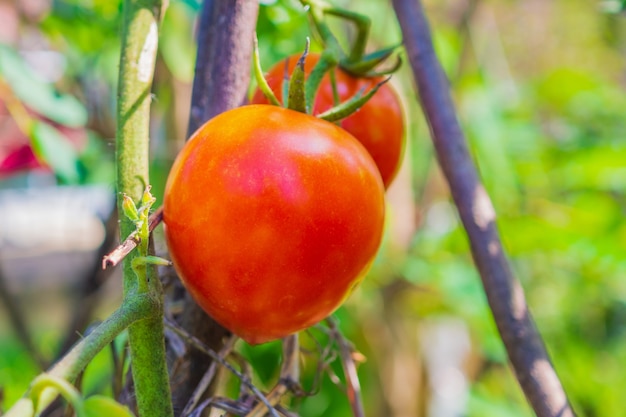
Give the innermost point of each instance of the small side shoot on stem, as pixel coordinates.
(140, 217)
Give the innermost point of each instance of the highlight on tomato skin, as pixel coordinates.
(378, 125)
(271, 218)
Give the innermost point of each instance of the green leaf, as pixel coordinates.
(101, 406)
(129, 208)
(37, 94)
(50, 145)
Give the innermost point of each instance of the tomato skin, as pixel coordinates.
(271, 218)
(378, 125)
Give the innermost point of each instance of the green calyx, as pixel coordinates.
(299, 90)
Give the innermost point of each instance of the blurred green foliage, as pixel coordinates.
(542, 104)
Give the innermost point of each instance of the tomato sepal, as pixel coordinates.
(350, 106)
(258, 74)
(296, 97)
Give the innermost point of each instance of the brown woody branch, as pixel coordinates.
(523, 343)
(223, 63)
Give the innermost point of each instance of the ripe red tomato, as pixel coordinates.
(271, 218)
(378, 125)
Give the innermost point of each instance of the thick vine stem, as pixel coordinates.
(523, 343)
(140, 36)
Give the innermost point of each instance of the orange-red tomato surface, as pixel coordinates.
(378, 125)
(271, 218)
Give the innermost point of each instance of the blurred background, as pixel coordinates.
(540, 90)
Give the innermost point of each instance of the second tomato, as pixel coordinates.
(378, 125)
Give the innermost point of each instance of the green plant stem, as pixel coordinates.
(132, 310)
(356, 62)
(362, 24)
(139, 47)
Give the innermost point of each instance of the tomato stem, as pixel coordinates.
(362, 23)
(134, 309)
(356, 62)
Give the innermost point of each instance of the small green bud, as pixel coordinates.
(147, 199)
(130, 209)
